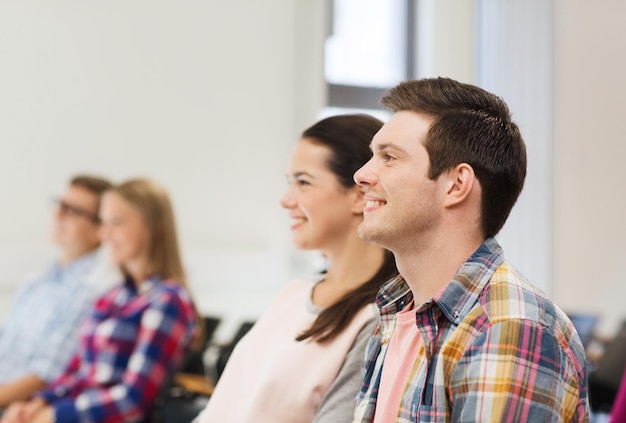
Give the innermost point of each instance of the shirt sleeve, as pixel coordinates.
(166, 327)
(338, 403)
(62, 385)
(518, 371)
(54, 351)
(52, 322)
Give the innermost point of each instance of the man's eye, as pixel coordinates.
(388, 158)
(302, 182)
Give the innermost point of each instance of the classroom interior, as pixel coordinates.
(208, 97)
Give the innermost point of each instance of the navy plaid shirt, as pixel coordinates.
(129, 345)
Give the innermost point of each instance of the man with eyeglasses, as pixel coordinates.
(39, 334)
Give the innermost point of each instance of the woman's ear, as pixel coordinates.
(357, 194)
(461, 180)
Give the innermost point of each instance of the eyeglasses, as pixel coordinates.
(70, 210)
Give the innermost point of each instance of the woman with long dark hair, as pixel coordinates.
(301, 360)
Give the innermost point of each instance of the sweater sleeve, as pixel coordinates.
(338, 403)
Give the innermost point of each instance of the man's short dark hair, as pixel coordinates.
(94, 184)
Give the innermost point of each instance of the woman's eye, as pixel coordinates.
(302, 182)
(388, 158)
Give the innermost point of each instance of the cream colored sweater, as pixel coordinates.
(271, 378)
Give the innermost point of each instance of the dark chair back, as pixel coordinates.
(605, 380)
(170, 407)
(227, 350)
(611, 365)
(585, 324)
(194, 362)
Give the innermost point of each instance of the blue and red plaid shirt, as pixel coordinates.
(129, 346)
(495, 350)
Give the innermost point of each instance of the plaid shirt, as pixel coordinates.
(495, 350)
(40, 334)
(129, 346)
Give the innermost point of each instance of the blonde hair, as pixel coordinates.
(164, 259)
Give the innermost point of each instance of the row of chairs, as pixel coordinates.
(605, 369)
(606, 374)
(183, 400)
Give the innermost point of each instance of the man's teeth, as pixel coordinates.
(374, 203)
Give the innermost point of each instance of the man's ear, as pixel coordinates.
(460, 182)
(357, 195)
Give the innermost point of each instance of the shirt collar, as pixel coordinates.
(144, 287)
(393, 296)
(460, 295)
(76, 265)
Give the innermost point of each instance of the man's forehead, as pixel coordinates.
(80, 194)
(402, 124)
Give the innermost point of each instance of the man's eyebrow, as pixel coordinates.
(387, 146)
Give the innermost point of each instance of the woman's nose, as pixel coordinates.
(288, 201)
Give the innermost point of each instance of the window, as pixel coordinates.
(369, 48)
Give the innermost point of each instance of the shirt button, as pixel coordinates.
(456, 315)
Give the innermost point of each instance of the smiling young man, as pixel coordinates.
(39, 335)
(463, 336)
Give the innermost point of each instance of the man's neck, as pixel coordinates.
(429, 268)
(67, 257)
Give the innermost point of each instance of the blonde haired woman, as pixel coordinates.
(138, 332)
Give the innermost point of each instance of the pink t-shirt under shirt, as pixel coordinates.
(405, 344)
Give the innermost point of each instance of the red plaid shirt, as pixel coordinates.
(129, 345)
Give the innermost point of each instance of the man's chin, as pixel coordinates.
(57, 240)
(367, 233)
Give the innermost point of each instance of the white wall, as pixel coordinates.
(560, 65)
(487, 42)
(589, 151)
(207, 97)
(517, 64)
(446, 39)
(204, 97)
